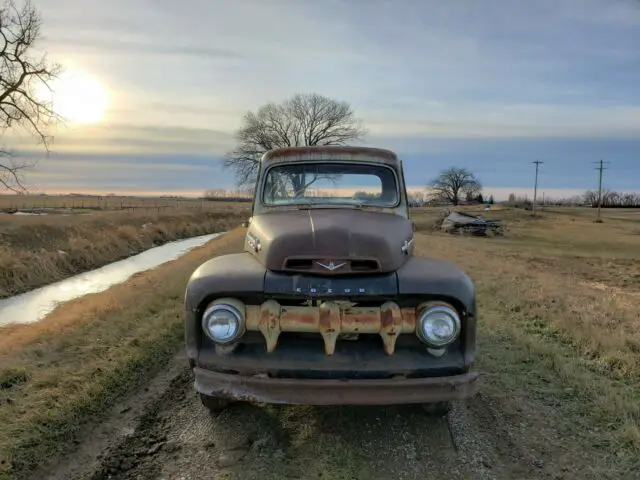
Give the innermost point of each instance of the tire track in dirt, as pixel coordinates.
(248, 441)
(174, 437)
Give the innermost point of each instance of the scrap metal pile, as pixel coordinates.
(463, 223)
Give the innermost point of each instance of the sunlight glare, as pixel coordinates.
(79, 98)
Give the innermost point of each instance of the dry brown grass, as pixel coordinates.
(88, 354)
(9, 203)
(564, 291)
(38, 250)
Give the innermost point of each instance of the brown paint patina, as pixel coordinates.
(342, 235)
(325, 244)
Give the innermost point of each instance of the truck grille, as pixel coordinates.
(330, 319)
(331, 266)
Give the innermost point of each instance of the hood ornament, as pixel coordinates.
(406, 245)
(331, 266)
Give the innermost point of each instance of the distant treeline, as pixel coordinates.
(610, 199)
(222, 195)
(228, 199)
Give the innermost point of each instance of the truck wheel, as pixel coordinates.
(437, 409)
(214, 404)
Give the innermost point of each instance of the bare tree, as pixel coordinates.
(303, 120)
(213, 193)
(454, 182)
(590, 197)
(611, 199)
(21, 73)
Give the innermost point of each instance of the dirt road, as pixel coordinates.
(164, 432)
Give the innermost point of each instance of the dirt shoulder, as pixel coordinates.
(38, 250)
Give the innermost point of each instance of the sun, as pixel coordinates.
(79, 97)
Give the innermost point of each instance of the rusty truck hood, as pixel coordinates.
(330, 241)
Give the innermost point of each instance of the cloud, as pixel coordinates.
(65, 168)
(138, 139)
(193, 109)
(135, 48)
(118, 173)
(492, 84)
(486, 119)
(619, 13)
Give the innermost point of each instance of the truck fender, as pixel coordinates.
(429, 277)
(226, 275)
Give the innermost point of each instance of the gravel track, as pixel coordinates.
(163, 432)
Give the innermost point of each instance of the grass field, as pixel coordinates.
(45, 203)
(559, 342)
(565, 291)
(36, 250)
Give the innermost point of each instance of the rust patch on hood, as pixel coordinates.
(305, 240)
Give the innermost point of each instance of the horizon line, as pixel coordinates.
(497, 192)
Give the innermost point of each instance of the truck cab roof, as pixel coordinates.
(330, 153)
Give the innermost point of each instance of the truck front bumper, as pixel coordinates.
(265, 389)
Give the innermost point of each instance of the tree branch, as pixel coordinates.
(302, 120)
(20, 77)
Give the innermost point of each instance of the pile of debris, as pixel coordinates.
(463, 223)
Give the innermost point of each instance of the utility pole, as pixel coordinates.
(600, 168)
(535, 185)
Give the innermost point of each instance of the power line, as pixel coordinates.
(600, 168)
(535, 185)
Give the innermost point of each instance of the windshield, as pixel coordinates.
(330, 183)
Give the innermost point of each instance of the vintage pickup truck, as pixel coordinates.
(328, 304)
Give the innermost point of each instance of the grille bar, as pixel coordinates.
(331, 266)
(330, 319)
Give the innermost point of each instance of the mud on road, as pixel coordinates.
(163, 432)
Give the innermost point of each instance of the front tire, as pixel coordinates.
(214, 404)
(437, 409)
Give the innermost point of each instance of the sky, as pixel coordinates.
(491, 85)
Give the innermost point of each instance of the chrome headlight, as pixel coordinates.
(438, 325)
(223, 321)
(254, 242)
